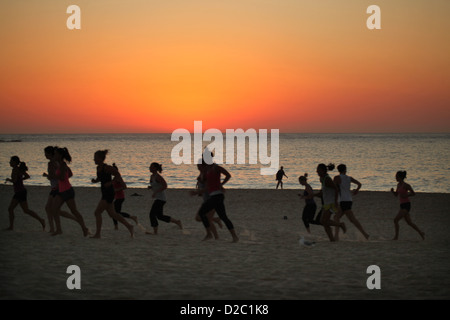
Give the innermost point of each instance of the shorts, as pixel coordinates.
(67, 195)
(346, 205)
(330, 207)
(406, 206)
(54, 192)
(21, 196)
(108, 195)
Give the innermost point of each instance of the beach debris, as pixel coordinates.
(306, 243)
(285, 218)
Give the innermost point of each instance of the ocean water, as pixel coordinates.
(373, 159)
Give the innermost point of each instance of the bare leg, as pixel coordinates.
(78, 217)
(337, 219)
(177, 222)
(11, 208)
(325, 222)
(213, 229)
(399, 216)
(30, 212)
(113, 214)
(48, 209)
(234, 236)
(98, 218)
(208, 234)
(413, 225)
(355, 221)
(56, 210)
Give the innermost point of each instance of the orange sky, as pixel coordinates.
(293, 65)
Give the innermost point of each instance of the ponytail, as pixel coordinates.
(401, 174)
(323, 167)
(304, 177)
(23, 167)
(50, 150)
(158, 166)
(65, 155)
(101, 154)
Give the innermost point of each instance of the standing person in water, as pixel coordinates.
(279, 177)
(329, 194)
(51, 176)
(309, 211)
(158, 185)
(403, 192)
(18, 174)
(119, 198)
(343, 182)
(65, 192)
(215, 189)
(105, 173)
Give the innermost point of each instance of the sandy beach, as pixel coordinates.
(268, 263)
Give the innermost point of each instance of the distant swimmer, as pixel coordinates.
(279, 177)
(158, 185)
(105, 174)
(343, 182)
(403, 192)
(18, 175)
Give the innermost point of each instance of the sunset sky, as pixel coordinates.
(155, 66)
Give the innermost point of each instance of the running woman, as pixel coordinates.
(51, 176)
(215, 189)
(403, 192)
(202, 191)
(309, 211)
(105, 173)
(65, 194)
(343, 182)
(18, 174)
(119, 198)
(158, 185)
(329, 194)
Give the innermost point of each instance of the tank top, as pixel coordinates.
(401, 190)
(53, 182)
(327, 192)
(344, 188)
(103, 176)
(63, 185)
(213, 184)
(161, 195)
(18, 185)
(205, 193)
(308, 201)
(118, 194)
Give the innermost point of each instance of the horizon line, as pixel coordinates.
(118, 133)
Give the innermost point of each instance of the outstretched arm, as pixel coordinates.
(358, 184)
(225, 173)
(411, 191)
(395, 193)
